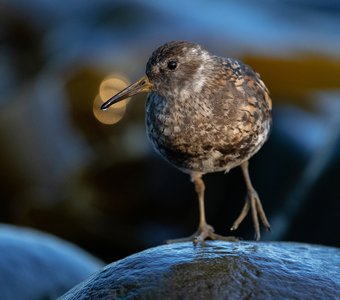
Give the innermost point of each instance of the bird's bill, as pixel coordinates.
(142, 85)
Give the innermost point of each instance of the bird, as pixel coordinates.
(205, 114)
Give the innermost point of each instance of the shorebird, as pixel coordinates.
(204, 114)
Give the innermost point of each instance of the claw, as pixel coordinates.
(254, 204)
(205, 232)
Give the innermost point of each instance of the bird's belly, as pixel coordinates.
(203, 146)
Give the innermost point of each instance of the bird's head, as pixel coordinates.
(172, 68)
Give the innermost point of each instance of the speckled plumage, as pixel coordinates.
(205, 114)
(211, 127)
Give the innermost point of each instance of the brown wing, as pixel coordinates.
(247, 80)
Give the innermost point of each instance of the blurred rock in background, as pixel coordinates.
(35, 265)
(102, 186)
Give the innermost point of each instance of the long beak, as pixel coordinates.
(142, 85)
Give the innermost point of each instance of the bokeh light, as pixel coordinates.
(109, 87)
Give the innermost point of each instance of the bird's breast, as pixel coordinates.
(203, 136)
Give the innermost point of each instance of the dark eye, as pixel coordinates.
(172, 65)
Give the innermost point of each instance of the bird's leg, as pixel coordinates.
(253, 202)
(204, 231)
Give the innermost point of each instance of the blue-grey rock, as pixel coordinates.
(36, 265)
(219, 270)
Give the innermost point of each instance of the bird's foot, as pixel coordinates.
(253, 203)
(204, 232)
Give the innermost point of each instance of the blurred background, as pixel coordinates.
(92, 178)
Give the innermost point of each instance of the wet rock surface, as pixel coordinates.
(219, 270)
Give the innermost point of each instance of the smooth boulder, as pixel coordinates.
(219, 270)
(35, 265)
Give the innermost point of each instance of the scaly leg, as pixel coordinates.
(204, 231)
(252, 202)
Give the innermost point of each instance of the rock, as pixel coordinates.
(219, 270)
(35, 265)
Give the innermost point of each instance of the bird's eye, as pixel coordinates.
(172, 65)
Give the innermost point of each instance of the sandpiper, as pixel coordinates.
(205, 114)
